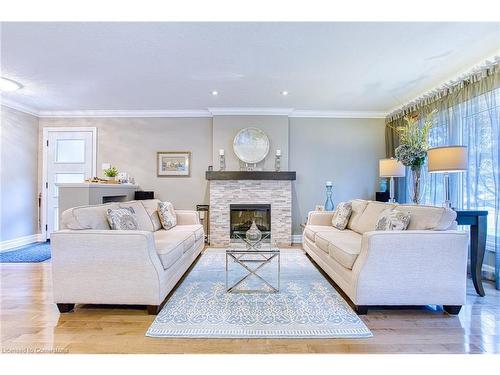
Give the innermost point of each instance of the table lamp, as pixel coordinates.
(391, 168)
(448, 159)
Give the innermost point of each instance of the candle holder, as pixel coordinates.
(222, 163)
(277, 163)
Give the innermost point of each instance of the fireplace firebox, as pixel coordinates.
(242, 216)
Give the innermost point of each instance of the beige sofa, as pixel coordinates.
(424, 265)
(92, 264)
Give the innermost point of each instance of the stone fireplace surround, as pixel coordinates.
(277, 193)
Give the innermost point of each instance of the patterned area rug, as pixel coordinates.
(306, 306)
(33, 253)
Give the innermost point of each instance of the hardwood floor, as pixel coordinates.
(30, 322)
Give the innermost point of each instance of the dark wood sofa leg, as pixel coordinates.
(154, 309)
(452, 309)
(65, 307)
(361, 309)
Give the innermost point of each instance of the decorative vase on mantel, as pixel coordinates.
(253, 234)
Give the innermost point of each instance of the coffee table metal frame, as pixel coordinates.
(253, 254)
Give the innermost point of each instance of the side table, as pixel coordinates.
(478, 229)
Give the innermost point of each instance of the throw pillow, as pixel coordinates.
(122, 219)
(391, 219)
(167, 215)
(342, 215)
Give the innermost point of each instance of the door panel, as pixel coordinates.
(70, 159)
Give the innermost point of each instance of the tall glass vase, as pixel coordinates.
(329, 202)
(416, 186)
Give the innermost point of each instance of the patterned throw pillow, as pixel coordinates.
(167, 215)
(391, 219)
(122, 219)
(341, 217)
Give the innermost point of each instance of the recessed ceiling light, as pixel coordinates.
(284, 93)
(215, 93)
(7, 85)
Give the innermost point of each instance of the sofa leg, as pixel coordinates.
(361, 309)
(452, 309)
(65, 307)
(154, 309)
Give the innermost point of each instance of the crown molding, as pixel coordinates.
(249, 111)
(210, 112)
(19, 107)
(126, 113)
(338, 114)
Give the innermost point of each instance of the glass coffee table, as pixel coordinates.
(252, 266)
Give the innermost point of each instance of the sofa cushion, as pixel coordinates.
(170, 245)
(87, 217)
(143, 219)
(195, 229)
(429, 217)
(392, 219)
(167, 215)
(343, 246)
(358, 206)
(311, 230)
(369, 218)
(342, 214)
(122, 219)
(151, 207)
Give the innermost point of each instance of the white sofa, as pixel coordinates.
(92, 264)
(424, 265)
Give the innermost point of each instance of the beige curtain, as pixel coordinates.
(475, 85)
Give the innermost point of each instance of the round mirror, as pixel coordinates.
(251, 145)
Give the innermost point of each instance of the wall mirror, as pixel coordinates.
(251, 145)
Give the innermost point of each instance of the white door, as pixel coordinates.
(70, 157)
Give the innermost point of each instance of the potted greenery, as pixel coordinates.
(111, 173)
(412, 150)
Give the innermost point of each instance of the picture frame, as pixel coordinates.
(173, 164)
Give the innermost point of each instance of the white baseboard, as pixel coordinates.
(20, 241)
(296, 238)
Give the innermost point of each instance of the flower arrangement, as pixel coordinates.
(413, 146)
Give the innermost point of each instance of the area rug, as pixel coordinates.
(33, 253)
(306, 306)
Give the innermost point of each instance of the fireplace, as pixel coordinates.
(242, 215)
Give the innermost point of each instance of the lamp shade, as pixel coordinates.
(391, 168)
(447, 159)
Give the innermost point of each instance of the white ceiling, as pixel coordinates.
(175, 66)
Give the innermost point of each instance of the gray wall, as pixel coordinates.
(344, 151)
(225, 129)
(18, 174)
(131, 144)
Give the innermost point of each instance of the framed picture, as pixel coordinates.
(173, 163)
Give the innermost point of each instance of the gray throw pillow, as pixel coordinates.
(342, 215)
(392, 219)
(167, 215)
(122, 219)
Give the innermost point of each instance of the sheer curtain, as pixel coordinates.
(468, 116)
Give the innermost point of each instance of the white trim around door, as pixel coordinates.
(46, 131)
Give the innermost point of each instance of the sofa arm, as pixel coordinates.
(411, 267)
(187, 217)
(320, 218)
(105, 266)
